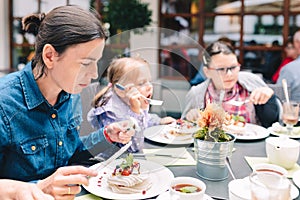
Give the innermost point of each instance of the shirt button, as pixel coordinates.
(60, 143)
(33, 148)
(78, 127)
(53, 116)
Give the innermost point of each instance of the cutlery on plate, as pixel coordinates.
(151, 101)
(114, 157)
(228, 165)
(238, 103)
(157, 154)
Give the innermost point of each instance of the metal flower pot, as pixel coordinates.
(211, 158)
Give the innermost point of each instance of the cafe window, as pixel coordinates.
(258, 30)
(21, 43)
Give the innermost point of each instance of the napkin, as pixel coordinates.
(257, 160)
(88, 197)
(178, 156)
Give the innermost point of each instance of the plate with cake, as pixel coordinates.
(178, 133)
(245, 131)
(130, 178)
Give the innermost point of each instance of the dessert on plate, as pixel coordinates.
(182, 129)
(127, 178)
(236, 125)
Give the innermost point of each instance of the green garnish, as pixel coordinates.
(188, 189)
(238, 118)
(128, 162)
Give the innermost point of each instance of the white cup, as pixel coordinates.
(181, 181)
(265, 167)
(282, 151)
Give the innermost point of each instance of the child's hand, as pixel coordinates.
(135, 99)
(132, 96)
(193, 115)
(119, 134)
(167, 120)
(261, 95)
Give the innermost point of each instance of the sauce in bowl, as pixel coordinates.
(186, 188)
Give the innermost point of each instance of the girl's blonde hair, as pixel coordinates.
(117, 68)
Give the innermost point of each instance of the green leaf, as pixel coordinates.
(127, 162)
(188, 189)
(238, 118)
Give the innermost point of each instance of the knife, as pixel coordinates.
(157, 154)
(113, 157)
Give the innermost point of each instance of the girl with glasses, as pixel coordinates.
(222, 69)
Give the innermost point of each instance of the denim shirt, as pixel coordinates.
(36, 138)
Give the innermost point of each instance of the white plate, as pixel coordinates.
(296, 178)
(155, 171)
(241, 188)
(253, 132)
(166, 196)
(161, 134)
(296, 136)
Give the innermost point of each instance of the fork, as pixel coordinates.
(238, 103)
(151, 101)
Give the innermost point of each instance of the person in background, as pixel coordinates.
(290, 53)
(291, 72)
(18, 190)
(40, 106)
(223, 71)
(112, 103)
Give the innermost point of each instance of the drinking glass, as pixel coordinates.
(290, 115)
(269, 185)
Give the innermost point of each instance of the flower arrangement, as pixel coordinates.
(210, 122)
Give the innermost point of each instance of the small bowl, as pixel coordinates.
(187, 181)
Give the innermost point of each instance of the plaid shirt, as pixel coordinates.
(238, 93)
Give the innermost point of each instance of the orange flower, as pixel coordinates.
(213, 117)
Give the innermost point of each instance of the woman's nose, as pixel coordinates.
(93, 71)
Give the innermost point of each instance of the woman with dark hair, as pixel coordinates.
(40, 106)
(222, 69)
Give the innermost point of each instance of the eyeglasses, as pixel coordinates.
(224, 70)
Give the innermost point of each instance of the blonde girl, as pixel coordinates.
(113, 104)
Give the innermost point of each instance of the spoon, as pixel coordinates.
(151, 101)
(222, 95)
(238, 103)
(285, 90)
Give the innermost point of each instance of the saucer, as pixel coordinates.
(166, 196)
(241, 188)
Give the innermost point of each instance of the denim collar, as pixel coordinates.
(32, 94)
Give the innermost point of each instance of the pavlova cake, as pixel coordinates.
(127, 179)
(235, 125)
